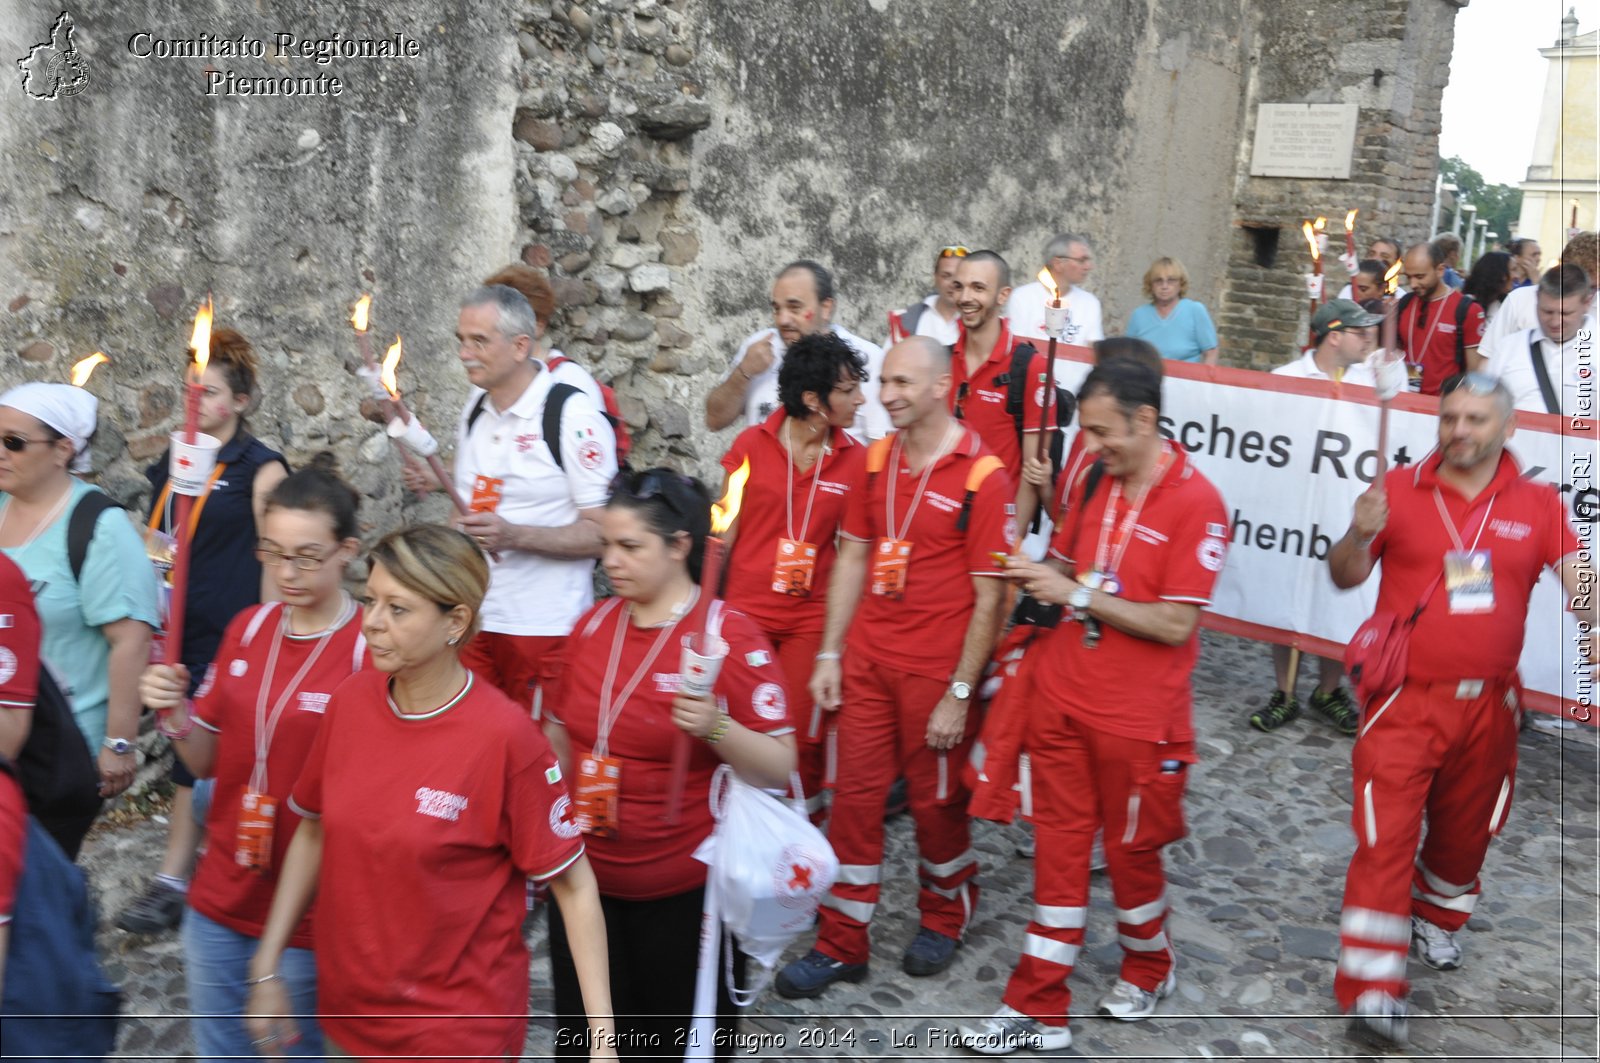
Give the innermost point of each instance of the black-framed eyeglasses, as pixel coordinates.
(954, 251)
(17, 444)
(303, 562)
(652, 483)
(1076, 258)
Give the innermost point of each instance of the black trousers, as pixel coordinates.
(654, 951)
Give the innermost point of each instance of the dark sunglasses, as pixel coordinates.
(16, 444)
(954, 251)
(653, 483)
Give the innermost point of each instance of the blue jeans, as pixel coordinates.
(216, 964)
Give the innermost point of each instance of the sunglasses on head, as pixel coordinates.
(16, 444)
(1471, 383)
(652, 483)
(954, 251)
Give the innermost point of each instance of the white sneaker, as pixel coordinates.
(1128, 1003)
(1434, 945)
(1378, 1020)
(1008, 1030)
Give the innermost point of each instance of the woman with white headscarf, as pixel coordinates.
(97, 624)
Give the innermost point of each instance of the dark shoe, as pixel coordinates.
(812, 973)
(1278, 711)
(158, 909)
(1378, 1021)
(1337, 708)
(929, 953)
(899, 799)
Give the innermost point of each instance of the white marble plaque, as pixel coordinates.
(1304, 140)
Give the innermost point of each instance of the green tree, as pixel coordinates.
(1499, 205)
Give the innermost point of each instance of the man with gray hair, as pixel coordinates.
(534, 460)
(1070, 260)
(1449, 248)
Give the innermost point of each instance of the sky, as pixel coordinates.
(1497, 76)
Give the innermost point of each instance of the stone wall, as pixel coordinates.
(660, 159)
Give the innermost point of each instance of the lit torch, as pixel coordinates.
(1055, 321)
(182, 531)
(1314, 280)
(405, 428)
(1391, 280)
(1350, 237)
(84, 369)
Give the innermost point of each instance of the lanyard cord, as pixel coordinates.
(267, 726)
(916, 499)
(1109, 518)
(1450, 525)
(611, 708)
(788, 496)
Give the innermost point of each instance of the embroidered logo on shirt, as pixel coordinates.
(768, 701)
(667, 682)
(237, 667)
(590, 455)
(8, 664)
(526, 441)
(1514, 530)
(440, 804)
(562, 824)
(6, 620)
(1216, 531)
(1209, 553)
(310, 702)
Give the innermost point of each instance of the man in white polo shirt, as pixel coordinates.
(1541, 365)
(936, 315)
(802, 303)
(1069, 259)
(534, 460)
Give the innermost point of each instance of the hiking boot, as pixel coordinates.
(1378, 1020)
(158, 909)
(1279, 710)
(1128, 1003)
(1434, 945)
(1337, 708)
(929, 953)
(812, 973)
(1008, 1030)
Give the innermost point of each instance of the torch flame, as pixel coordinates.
(82, 370)
(1392, 277)
(1049, 283)
(1311, 238)
(200, 340)
(1322, 223)
(358, 317)
(391, 362)
(725, 512)
(1350, 220)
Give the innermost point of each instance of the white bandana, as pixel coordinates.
(69, 410)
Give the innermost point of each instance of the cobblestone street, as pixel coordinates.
(1255, 896)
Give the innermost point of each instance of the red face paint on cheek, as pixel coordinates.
(806, 316)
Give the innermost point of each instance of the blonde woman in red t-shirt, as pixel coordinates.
(426, 801)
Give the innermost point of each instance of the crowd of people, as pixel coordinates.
(477, 729)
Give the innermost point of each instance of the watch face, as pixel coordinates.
(961, 691)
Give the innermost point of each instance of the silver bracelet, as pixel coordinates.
(273, 977)
(829, 656)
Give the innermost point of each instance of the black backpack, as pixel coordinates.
(58, 772)
(1461, 325)
(549, 425)
(1016, 382)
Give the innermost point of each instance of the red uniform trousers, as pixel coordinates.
(524, 667)
(814, 729)
(883, 727)
(1085, 779)
(1422, 750)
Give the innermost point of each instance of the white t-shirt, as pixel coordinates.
(1513, 364)
(1305, 367)
(930, 324)
(530, 594)
(1518, 313)
(761, 397)
(1025, 311)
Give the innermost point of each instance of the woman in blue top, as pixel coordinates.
(97, 624)
(1177, 327)
(224, 579)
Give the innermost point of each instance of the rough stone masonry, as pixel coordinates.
(660, 159)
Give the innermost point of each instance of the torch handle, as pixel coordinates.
(183, 534)
(1047, 422)
(1383, 442)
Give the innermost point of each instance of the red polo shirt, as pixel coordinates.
(1430, 339)
(922, 632)
(19, 639)
(1126, 685)
(1524, 528)
(979, 399)
(777, 501)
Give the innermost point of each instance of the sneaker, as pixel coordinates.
(1279, 710)
(158, 909)
(1128, 1003)
(1008, 1030)
(1434, 945)
(1338, 709)
(929, 953)
(812, 973)
(1378, 1020)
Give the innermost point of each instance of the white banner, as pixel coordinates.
(1290, 456)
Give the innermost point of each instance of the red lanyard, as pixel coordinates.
(1450, 525)
(916, 499)
(611, 708)
(267, 725)
(788, 495)
(1114, 556)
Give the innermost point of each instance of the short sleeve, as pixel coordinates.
(1205, 333)
(118, 581)
(211, 704)
(751, 681)
(588, 452)
(1196, 551)
(19, 639)
(13, 842)
(1562, 540)
(738, 356)
(306, 797)
(1033, 397)
(992, 525)
(1473, 326)
(543, 837)
(740, 451)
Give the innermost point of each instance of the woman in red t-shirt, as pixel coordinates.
(428, 798)
(803, 466)
(251, 726)
(618, 722)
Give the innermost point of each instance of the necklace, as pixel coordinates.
(44, 522)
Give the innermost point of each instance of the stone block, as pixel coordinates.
(633, 326)
(651, 277)
(608, 138)
(167, 300)
(572, 292)
(671, 419)
(537, 255)
(674, 120)
(37, 351)
(540, 133)
(678, 248)
(309, 398)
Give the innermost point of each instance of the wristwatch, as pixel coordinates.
(961, 691)
(1080, 597)
(120, 746)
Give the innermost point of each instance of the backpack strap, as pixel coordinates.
(981, 469)
(1091, 483)
(557, 362)
(550, 425)
(878, 454)
(476, 411)
(1017, 385)
(910, 317)
(80, 528)
(1547, 389)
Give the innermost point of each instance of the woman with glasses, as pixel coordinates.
(619, 722)
(803, 467)
(1178, 327)
(250, 729)
(97, 622)
(426, 801)
(224, 577)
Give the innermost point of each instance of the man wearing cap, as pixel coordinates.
(936, 315)
(1345, 334)
(802, 303)
(1070, 260)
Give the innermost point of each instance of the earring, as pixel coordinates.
(454, 639)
